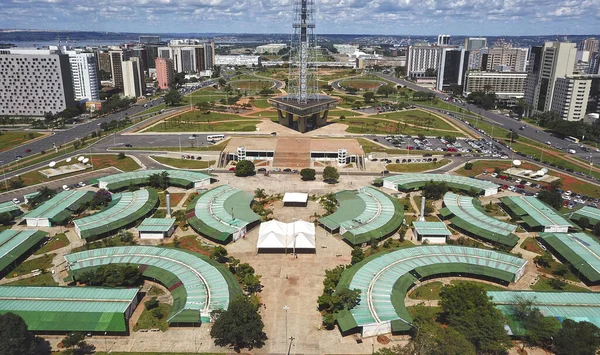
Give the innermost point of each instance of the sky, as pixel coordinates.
(386, 17)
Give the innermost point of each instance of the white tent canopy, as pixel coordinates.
(275, 235)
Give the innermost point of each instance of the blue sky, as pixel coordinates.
(392, 17)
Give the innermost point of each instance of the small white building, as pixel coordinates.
(277, 237)
(431, 232)
(156, 228)
(295, 199)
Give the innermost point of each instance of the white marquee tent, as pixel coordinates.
(296, 236)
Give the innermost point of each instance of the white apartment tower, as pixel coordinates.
(133, 79)
(33, 82)
(571, 97)
(421, 58)
(85, 75)
(547, 63)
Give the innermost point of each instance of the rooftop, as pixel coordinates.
(14, 243)
(535, 213)
(431, 228)
(156, 225)
(63, 201)
(411, 181)
(176, 177)
(579, 249)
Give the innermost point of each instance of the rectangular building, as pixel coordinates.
(272, 48)
(116, 66)
(156, 228)
(133, 79)
(570, 97)
(85, 75)
(454, 63)
(33, 82)
(238, 60)
(421, 58)
(148, 39)
(16, 246)
(58, 209)
(165, 73)
(504, 84)
(475, 43)
(514, 58)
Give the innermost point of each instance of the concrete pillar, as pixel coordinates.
(302, 124)
(284, 118)
(322, 119)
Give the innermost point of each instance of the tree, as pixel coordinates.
(244, 168)
(583, 222)
(73, 340)
(219, 254)
(357, 255)
(430, 72)
(16, 338)
(539, 330)
(6, 219)
(551, 198)
(259, 193)
(387, 90)
(434, 190)
(468, 166)
(543, 260)
(44, 193)
(121, 156)
(597, 229)
(113, 275)
(308, 174)
(577, 338)
(330, 175)
(159, 180)
(369, 96)
(400, 71)
(512, 135)
(468, 309)
(101, 199)
(240, 326)
(152, 303)
(172, 97)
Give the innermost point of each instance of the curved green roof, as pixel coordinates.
(579, 249)
(181, 178)
(201, 287)
(416, 181)
(129, 207)
(14, 243)
(469, 216)
(377, 278)
(534, 212)
(591, 213)
(221, 212)
(60, 207)
(365, 214)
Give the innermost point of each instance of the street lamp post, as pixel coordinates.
(4, 173)
(286, 308)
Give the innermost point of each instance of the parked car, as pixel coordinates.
(16, 201)
(81, 184)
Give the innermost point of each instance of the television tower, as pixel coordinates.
(304, 108)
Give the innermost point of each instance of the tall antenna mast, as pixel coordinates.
(303, 70)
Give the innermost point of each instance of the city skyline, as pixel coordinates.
(380, 17)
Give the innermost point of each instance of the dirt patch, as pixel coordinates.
(382, 339)
(292, 281)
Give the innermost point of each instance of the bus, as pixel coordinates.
(572, 139)
(215, 137)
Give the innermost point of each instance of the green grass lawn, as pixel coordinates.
(12, 139)
(261, 103)
(40, 280)
(376, 126)
(361, 84)
(147, 353)
(175, 198)
(207, 148)
(531, 245)
(544, 285)
(370, 147)
(266, 114)
(233, 126)
(484, 285)
(58, 241)
(416, 117)
(43, 262)
(148, 321)
(416, 167)
(184, 163)
(430, 291)
(255, 84)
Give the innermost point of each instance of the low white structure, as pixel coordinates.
(275, 236)
(156, 228)
(295, 199)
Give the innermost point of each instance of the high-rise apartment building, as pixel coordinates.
(454, 63)
(141, 53)
(515, 58)
(85, 75)
(165, 74)
(104, 61)
(116, 65)
(189, 56)
(133, 79)
(475, 43)
(33, 82)
(591, 45)
(570, 98)
(443, 40)
(421, 58)
(506, 85)
(547, 63)
(149, 39)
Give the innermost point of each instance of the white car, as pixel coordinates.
(568, 193)
(66, 187)
(81, 184)
(494, 175)
(16, 201)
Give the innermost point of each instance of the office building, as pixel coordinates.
(570, 97)
(346, 49)
(151, 55)
(475, 58)
(149, 39)
(443, 40)
(165, 73)
(421, 58)
(506, 85)
(547, 63)
(33, 82)
(142, 54)
(475, 43)
(85, 75)
(133, 78)
(189, 56)
(272, 48)
(515, 58)
(454, 63)
(238, 60)
(104, 62)
(116, 65)
(591, 45)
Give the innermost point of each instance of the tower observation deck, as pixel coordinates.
(304, 108)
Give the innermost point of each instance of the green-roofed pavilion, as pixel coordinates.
(181, 178)
(222, 214)
(70, 309)
(535, 214)
(578, 249)
(409, 182)
(17, 245)
(467, 215)
(364, 215)
(591, 213)
(124, 211)
(10, 208)
(156, 228)
(58, 209)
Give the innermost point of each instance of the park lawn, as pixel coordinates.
(40, 280)
(251, 84)
(232, 126)
(369, 146)
(484, 285)
(554, 266)
(432, 312)
(207, 148)
(175, 198)
(543, 285)
(376, 126)
(531, 245)
(191, 243)
(338, 113)
(260, 103)
(429, 291)
(156, 291)
(479, 166)
(265, 114)
(184, 163)
(147, 353)
(416, 167)
(147, 319)
(488, 128)
(108, 160)
(43, 262)
(11, 139)
(416, 117)
(202, 116)
(361, 84)
(58, 241)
